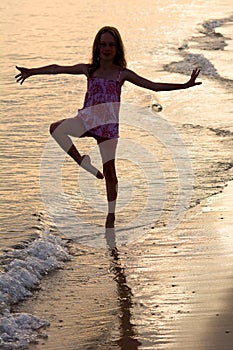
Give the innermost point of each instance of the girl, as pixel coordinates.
(99, 116)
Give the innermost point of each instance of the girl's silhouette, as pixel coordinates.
(99, 116)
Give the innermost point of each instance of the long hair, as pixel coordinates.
(119, 59)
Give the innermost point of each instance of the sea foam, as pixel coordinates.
(208, 40)
(191, 61)
(24, 269)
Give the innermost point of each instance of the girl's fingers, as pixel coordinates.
(19, 77)
(20, 80)
(195, 74)
(19, 68)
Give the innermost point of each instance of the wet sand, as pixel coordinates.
(171, 290)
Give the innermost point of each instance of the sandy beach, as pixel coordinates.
(169, 291)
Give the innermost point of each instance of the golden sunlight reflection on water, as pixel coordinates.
(34, 34)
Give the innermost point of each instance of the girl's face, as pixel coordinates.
(107, 47)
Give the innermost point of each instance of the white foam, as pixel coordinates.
(18, 330)
(22, 275)
(210, 41)
(212, 24)
(192, 61)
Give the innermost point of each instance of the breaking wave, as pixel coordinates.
(208, 39)
(23, 270)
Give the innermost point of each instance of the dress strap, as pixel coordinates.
(119, 75)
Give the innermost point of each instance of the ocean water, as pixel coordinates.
(164, 41)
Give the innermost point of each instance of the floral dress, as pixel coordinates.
(100, 113)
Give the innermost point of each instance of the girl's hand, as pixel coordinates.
(192, 80)
(24, 74)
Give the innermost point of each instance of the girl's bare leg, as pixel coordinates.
(111, 188)
(61, 131)
(108, 151)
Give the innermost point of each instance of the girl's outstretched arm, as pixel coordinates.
(148, 84)
(51, 69)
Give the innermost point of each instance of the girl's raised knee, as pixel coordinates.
(52, 127)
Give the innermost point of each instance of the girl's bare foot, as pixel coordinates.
(86, 164)
(110, 220)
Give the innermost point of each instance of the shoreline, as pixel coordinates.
(193, 309)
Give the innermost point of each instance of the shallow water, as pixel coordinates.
(34, 36)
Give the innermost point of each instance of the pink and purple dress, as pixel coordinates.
(100, 113)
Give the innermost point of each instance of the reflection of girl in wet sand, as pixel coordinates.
(127, 340)
(105, 75)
